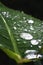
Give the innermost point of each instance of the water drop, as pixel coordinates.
(24, 18)
(39, 56)
(7, 14)
(17, 16)
(31, 28)
(30, 51)
(34, 42)
(21, 21)
(24, 42)
(13, 18)
(14, 27)
(18, 24)
(26, 36)
(31, 45)
(39, 40)
(25, 29)
(18, 39)
(34, 32)
(39, 46)
(4, 13)
(14, 22)
(32, 54)
(30, 21)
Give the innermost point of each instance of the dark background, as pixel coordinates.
(5, 60)
(31, 7)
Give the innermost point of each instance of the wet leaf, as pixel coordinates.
(21, 33)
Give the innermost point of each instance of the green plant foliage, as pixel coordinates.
(21, 35)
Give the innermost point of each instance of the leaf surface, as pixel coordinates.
(25, 36)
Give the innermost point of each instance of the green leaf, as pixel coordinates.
(20, 35)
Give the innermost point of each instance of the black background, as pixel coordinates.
(5, 60)
(31, 7)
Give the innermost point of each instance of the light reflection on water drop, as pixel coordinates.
(4, 13)
(31, 27)
(25, 42)
(18, 39)
(34, 32)
(25, 29)
(34, 42)
(30, 21)
(32, 54)
(24, 18)
(39, 40)
(14, 22)
(30, 51)
(7, 15)
(14, 27)
(26, 36)
(31, 46)
(39, 46)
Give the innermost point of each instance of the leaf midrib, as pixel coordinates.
(11, 35)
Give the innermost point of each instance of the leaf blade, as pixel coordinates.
(21, 24)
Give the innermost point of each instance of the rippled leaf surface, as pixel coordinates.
(27, 32)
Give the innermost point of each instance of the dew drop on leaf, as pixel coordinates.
(24, 18)
(32, 54)
(34, 42)
(25, 29)
(30, 51)
(26, 36)
(31, 27)
(14, 27)
(39, 46)
(4, 13)
(18, 39)
(30, 21)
